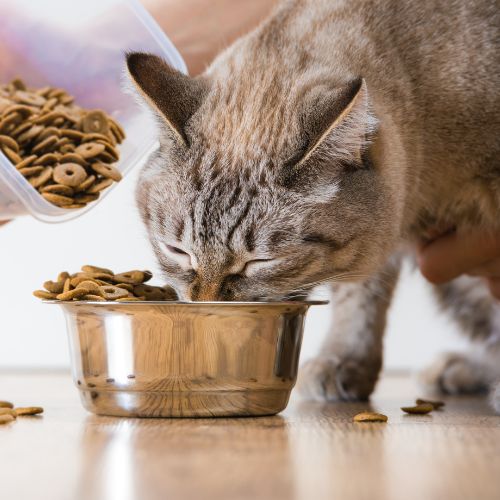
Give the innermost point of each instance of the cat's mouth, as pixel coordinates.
(290, 297)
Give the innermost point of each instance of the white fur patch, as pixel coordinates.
(324, 193)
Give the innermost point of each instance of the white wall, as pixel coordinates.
(32, 334)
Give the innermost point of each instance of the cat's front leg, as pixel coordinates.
(495, 397)
(350, 359)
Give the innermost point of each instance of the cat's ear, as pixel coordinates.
(338, 124)
(174, 95)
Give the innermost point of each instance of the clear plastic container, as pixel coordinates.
(78, 46)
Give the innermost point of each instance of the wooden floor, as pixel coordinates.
(310, 452)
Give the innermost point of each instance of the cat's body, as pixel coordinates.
(313, 148)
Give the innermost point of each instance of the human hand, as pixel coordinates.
(200, 29)
(475, 253)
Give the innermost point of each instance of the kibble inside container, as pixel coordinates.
(78, 47)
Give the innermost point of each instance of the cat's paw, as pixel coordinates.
(495, 397)
(454, 373)
(327, 378)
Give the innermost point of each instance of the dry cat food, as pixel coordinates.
(100, 284)
(419, 409)
(436, 405)
(65, 152)
(370, 416)
(8, 413)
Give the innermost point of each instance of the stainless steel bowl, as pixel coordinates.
(157, 359)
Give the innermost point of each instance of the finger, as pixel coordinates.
(454, 254)
(489, 270)
(433, 234)
(494, 285)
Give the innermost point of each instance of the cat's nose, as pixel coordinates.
(204, 291)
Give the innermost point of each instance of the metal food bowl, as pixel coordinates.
(173, 359)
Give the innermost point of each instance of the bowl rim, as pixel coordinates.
(282, 303)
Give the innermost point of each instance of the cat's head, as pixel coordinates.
(260, 189)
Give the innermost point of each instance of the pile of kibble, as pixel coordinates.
(66, 152)
(8, 413)
(100, 284)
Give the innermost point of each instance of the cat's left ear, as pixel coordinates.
(174, 95)
(338, 125)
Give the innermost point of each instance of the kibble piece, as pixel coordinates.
(45, 144)
(150, 292)
(58, 189)
(30, 134)
(43, 294)
(95, 122)
(8, 142)
(54, 286)
(111, 292)
(100, 186)
(96, 269)
(8, 411)
(6, 404)
(28, 171)
(73, 294)
(89, 181)
(29, 98)
(6, 419)
(27, 161)
(47, 159)
(435, 404)
(94, 298)
(86, 198)
(420, 409)
(91, 286)
(90, 150)
(130, 277)
(58, 199)
(169, 293)
(107, 171)
(369, 416)
(67, 285)
(73, 158)
(28, 410)
(126, 286)
(41, 179)
(117, 128)
(63, 276)
(12, 155)
(69, 174)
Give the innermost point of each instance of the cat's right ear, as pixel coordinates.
(174, 95)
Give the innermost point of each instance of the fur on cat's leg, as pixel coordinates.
(350, 359)
(495, 397)
(478, 315)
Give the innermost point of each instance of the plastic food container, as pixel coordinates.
(78, 46)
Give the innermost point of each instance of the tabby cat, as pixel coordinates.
(313, 150)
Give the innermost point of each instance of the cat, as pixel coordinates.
(316, 149)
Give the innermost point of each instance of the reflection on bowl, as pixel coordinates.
(173, 359)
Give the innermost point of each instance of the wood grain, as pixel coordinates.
(311, 451)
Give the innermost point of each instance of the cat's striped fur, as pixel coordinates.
(313, 147)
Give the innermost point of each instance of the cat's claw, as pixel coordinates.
(329, 379)
(454, 373)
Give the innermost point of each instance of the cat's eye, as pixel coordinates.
(179, 255)
(176, 250)
(253, 266)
